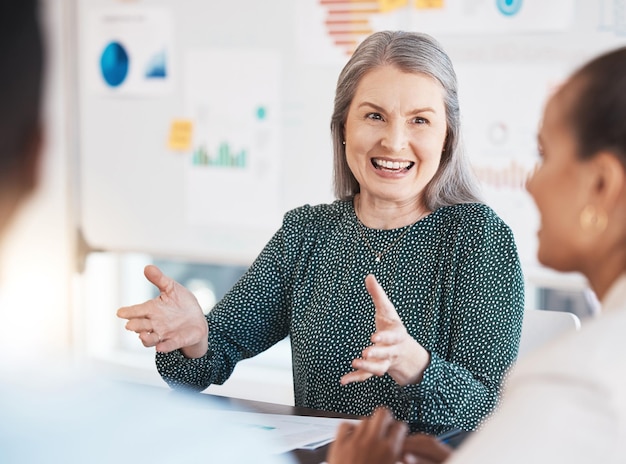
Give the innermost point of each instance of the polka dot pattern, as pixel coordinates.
(454, 278)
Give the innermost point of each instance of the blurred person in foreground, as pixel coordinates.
(53, 412)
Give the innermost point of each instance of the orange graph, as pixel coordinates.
(348, 21)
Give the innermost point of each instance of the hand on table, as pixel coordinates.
(380, 439)
(376, 440)
(170, 321)
(421, 448)
(393, 351)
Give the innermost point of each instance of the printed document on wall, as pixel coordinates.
(233, 170)
(128, 51)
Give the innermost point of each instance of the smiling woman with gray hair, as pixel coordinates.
(405, 292)
(566, 402)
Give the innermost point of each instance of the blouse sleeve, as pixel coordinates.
(462, 384)
(250, 318)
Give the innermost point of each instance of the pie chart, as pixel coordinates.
(114, 64)
(509, 7)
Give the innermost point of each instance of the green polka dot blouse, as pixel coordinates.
(454, 279)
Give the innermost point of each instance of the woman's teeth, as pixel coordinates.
(392, 165)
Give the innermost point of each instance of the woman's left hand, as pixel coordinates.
(393, 350)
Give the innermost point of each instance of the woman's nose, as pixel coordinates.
(530, 177)
(395, 137)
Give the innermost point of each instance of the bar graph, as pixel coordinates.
(224, 157)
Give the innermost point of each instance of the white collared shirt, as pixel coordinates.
(566, 402)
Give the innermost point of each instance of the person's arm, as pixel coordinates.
(252, 316)
(562, 403)
(485, 300)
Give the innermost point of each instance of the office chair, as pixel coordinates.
(541, 325)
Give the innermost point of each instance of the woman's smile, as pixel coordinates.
(392, 165)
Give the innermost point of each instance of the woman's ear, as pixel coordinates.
(609, 179)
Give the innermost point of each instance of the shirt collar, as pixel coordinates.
(616, 296)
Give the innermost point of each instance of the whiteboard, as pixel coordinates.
(139, 193)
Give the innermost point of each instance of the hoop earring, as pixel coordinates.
(591, 219)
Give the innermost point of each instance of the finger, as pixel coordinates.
(387, 337)
(385, 427)
(384, 307)
(397, 433)
(344, 430)
(356, 376)
(380, 351)
(157, 278)
(139, 325)
(141, 310)
(408, 458)
(427, 447)
(374, 367)
(381, 420)
(167, 345)
(149, 339)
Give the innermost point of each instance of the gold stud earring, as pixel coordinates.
(591, 219)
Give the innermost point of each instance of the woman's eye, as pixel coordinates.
(541, 155)
(375, 116)
(420, 120)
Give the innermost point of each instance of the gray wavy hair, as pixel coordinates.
(414, 52)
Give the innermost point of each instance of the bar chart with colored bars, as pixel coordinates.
(348, 22)
(225, 157)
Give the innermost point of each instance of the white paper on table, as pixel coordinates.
(287, 432)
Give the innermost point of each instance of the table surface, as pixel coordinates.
(302, 456)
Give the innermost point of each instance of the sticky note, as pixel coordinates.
(181, 131)
(390, 5)
(428, 4)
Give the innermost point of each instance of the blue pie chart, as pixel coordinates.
(114, 64)
(509, 7)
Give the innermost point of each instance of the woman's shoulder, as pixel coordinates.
(474, 222)
(467, 214)
(324, 212)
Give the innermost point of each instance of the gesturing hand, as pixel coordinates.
(393, 350)
(170, 321)
(376, 440)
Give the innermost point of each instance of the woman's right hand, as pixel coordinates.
(173, 320)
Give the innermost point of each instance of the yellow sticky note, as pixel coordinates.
(428, 4)
(385, 6)
(181, 131)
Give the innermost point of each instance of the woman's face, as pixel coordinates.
(394, 132)
(558, 187)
